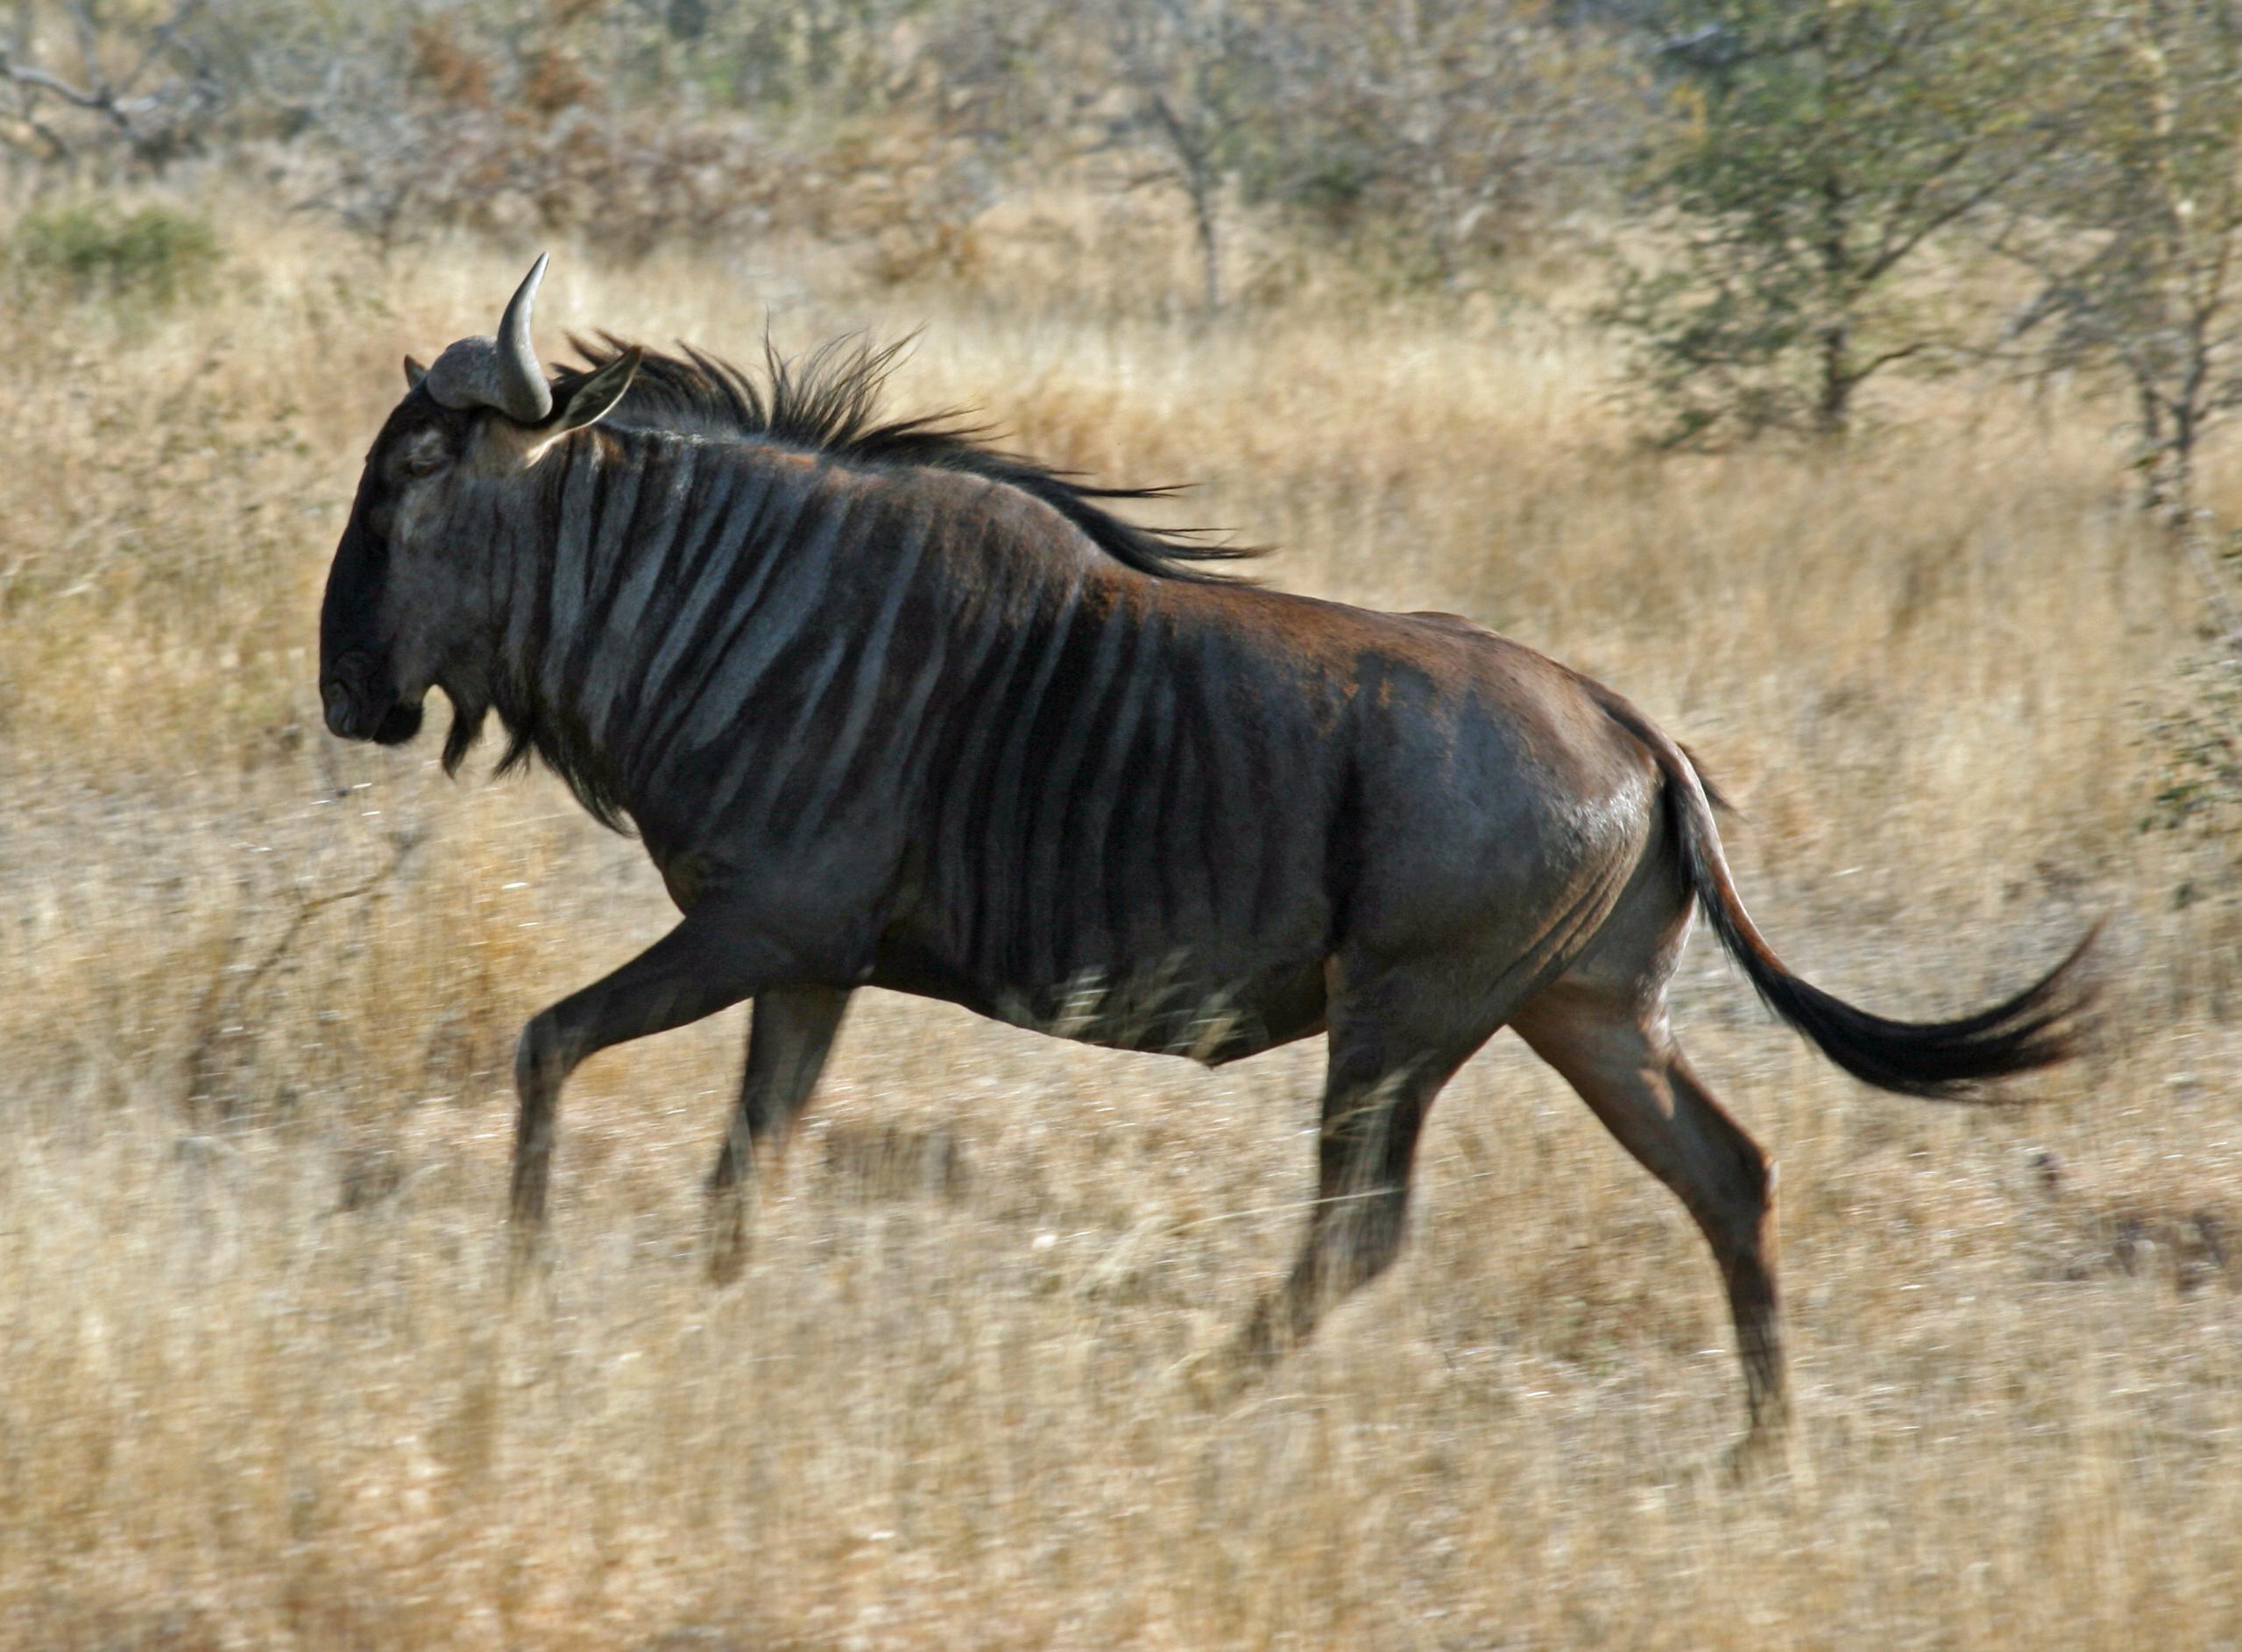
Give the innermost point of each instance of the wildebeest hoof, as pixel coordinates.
(1763, 1454)
(728, 1247)
(1217, 1374)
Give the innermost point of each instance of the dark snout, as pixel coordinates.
(356, 688)
(361, 705)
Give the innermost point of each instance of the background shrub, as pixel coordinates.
(94, 249)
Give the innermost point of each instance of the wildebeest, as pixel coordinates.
(891, 708)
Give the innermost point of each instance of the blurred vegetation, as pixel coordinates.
(2196, 741)
(1819, 153)
(94, 249)
(2129, 226)
(1807, 199)
(1433, 134)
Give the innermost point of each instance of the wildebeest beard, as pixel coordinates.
(469, 713)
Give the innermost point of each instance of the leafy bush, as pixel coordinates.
(1817, 156)
(158, 255)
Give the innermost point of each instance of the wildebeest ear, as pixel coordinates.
(413, 374)
(596, 396)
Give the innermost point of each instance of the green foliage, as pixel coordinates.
(2131, 230)
(1815, 153)
(92, 249)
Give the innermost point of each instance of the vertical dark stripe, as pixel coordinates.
(1186, 844)
(957, 639)
(599, 661)
(836, 757)
(1230, 838)
(733, 665)
(726, 556)
(947, 730)
(529, 618)
(582, 540)
(649, 541)
(965, 824)
(1062, 885)
(1098, 858)
(1004, 848)
(736, 591)
(1288, 795)
(1147, 783)
(785, 744)
(646, 605)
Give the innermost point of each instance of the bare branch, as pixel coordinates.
(28, 74)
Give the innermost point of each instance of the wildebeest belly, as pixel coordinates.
(1164, 1006)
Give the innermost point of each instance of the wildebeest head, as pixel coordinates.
(413, 596)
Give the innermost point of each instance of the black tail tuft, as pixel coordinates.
(2046, 1023)
(2041, 1025)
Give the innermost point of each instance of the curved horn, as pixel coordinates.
(499, 372)
(521, 381)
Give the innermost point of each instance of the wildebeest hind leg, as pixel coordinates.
(1619, 1055)
(788, 1040)
(700, 967)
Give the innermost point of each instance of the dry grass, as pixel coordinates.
(261, 1389)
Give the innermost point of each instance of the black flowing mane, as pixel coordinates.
(828, 402)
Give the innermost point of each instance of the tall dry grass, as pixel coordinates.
(261, 1388)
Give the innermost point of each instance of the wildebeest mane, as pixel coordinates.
(827, 402)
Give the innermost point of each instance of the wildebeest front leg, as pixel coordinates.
(791, 1034)
(1374, 1108)
(698, 968)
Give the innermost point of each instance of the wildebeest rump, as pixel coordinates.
(890, 708)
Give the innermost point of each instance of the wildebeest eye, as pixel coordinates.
(424, 464)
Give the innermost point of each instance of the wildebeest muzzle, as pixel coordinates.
(361, 705)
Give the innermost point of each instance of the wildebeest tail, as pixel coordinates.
(1944, 1061)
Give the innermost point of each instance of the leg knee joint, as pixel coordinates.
(541, 1058)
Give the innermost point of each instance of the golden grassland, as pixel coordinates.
(262, 1387)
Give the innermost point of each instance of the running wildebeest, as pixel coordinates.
(891, 708)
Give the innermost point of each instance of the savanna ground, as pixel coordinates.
(261, 1385)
